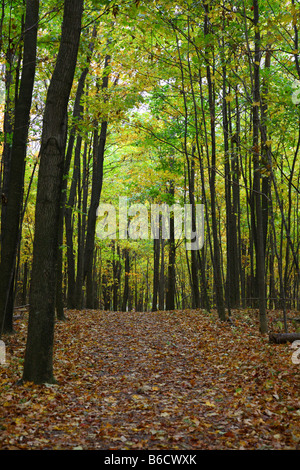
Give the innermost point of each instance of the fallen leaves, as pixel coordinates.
(164, 380)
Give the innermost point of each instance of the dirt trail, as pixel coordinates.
(169, 380)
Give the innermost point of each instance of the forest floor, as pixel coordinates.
(165, 380)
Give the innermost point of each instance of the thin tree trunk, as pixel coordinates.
(116, 275)
(8, 125)
(161, 289)
(194, 253)
(126, 281)
(77, 117)
(156, 246)
(80, 255)
(259, 245)
(95, 196)
(212, 182)
(70, 225)
(92, 214)
(171, 282)
(25, 281)
(201, 264)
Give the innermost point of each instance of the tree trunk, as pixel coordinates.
(92, 214)
(70, 225)
(156, 246)
(161, 288)
(8, 126)
(200, 258)
(95, 196)
(280, 338)
(81, 237)
(259, 245)
(212, 184)
(25, 280)
(116, 276)
(11, 233)
(126, 282)
(38, 365)
(171, 284)
(194, 253)
(77, 115)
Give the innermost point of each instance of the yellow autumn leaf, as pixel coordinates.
(209, 403)
(137, 397)
(196, 421)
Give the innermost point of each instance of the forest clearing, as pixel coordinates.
(177, 380)
(149, 224)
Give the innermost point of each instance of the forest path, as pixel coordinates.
(163, 380)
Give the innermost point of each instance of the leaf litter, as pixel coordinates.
(165, 380)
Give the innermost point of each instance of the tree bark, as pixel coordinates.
(99, 150)
(194, 253)
(259, 239)
(171, 282)
(92, 214)
(77, 117)
(69, 225)
(8, 126)
(116, 276)
(38, 365)
(212, 184)
(156, 246)
(281, 338)
(81, 236)
(11, 233)
(161, 288)
(126, 281)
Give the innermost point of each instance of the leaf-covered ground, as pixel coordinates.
(166, 380)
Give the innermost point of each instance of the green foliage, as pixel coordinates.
(157, 106)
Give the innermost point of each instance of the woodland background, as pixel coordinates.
(174, 84)
(176, 102)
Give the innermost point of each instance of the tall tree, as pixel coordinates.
(67, 212)
(125, 298)
(212, 180)
(38, 365)
(99, 150)
(11, 230)
(194, 253)
(156, 246)
(171, 281)
(259, 235)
